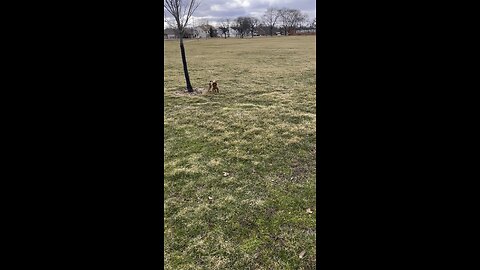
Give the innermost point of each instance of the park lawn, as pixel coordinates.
(260, 129)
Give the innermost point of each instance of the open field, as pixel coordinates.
(260, 129)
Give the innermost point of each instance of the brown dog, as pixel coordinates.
(213, 86)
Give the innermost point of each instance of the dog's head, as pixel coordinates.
(212, 83)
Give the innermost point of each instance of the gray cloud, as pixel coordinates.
(216, 10)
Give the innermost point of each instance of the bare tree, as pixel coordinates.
(212, 32)
(283, 17)
(254, 22)
(314, 23)
(242, 25)
(270, 19)
(303, 22)
(225, 27)
(182, 10)
(263, 30)
(236, 28)
(290, 18)
(228, 26)
(299, 20)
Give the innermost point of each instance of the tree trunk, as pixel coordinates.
(184, 62)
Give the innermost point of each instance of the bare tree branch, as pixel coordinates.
(225, 26)
(290, 18)
(270, 18)
(182, 10)
(191, 9)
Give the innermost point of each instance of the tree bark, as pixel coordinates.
(184, 62)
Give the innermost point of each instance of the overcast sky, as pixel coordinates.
(216, 10)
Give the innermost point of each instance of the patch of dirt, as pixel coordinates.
(299, 168)
(299, 172)
(270, 212)
(196, 91)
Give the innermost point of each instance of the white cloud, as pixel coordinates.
(235, 4)
(242, 3)
(216, 10)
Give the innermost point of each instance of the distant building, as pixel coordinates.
(307, 31)
(201, 31)
(169, 33)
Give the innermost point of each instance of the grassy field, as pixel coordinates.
(240, 165)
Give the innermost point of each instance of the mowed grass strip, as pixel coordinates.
(260, 129)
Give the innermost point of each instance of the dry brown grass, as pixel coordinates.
(260, 129)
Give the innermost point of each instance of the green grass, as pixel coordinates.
(260, 129)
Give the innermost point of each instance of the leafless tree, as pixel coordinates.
(302, 22)
(263, 29)
(229, 25)
(254, 22)
(212, 31)
(242, 25)
(225, 27)
(290, 18)
(283, 17)
(270, 19)
(182, 10)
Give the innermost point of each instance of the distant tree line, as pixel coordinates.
(274, 21)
